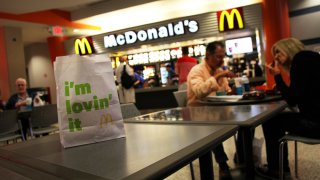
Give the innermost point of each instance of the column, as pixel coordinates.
(276, 26)
(56, 47)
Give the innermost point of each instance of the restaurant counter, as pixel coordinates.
(156, 97)
(253, 81)
(162, 97)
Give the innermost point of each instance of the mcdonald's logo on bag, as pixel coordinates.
(105, 118)
(83, 46)
(231, 19)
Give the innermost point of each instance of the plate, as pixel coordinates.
(229, 98)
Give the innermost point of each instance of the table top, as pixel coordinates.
(149, 151)
(243, 115)
(239, 102)
(12, 170)
(24, 114)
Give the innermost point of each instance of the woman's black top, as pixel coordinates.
(304, 89)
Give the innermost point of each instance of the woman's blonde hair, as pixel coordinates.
(289, 46)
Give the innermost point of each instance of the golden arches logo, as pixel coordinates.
(82, 46)
(234, 13)
(105, 117)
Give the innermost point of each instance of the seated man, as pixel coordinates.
(21, 100)
(206, 79)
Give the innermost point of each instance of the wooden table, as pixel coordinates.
(149, 151)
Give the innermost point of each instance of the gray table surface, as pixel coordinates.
(11, 170)
(246, 116)
(239, 102)
(243, 115)
(150, 151)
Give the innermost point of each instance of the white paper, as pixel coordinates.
(87, 100)
(228, 98)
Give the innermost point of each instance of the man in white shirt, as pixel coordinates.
(125, 95)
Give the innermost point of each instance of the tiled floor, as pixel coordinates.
(308, 166)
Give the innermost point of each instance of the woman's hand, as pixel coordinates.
(273, 68)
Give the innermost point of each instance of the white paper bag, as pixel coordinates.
(87, 100)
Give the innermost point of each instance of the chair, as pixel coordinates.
(181, 97)
(295, 138)
(183, 86)
(43, 120)
(129, 110)
(9, 126)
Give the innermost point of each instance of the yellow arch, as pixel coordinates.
(82, 45)
(106, 117)
(230, 18)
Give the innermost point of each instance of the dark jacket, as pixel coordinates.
(304, 89)
(14, 99)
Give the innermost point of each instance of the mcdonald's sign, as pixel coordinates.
(231, 19)
(105, 118)
(83, 46)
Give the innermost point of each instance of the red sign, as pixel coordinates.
(57, 31)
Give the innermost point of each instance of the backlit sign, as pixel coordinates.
(169, 30)
(164, 55)
(231, 19)
(83, 46)
(239, 46)
(57, 30)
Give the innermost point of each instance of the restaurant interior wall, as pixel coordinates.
(14, 59)
(251, 15)
(208, 31)
(294, 6)
(208, 28)
(4, 75)
(40, 68)
(304, 24)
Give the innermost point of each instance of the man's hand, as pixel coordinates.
(21, 103)
(225, 73)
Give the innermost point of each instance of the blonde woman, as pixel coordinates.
(303, 92)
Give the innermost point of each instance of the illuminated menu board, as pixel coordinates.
(164, 55)
(239, 46)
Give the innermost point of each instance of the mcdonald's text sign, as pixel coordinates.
(83, 46)
(231, 19)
